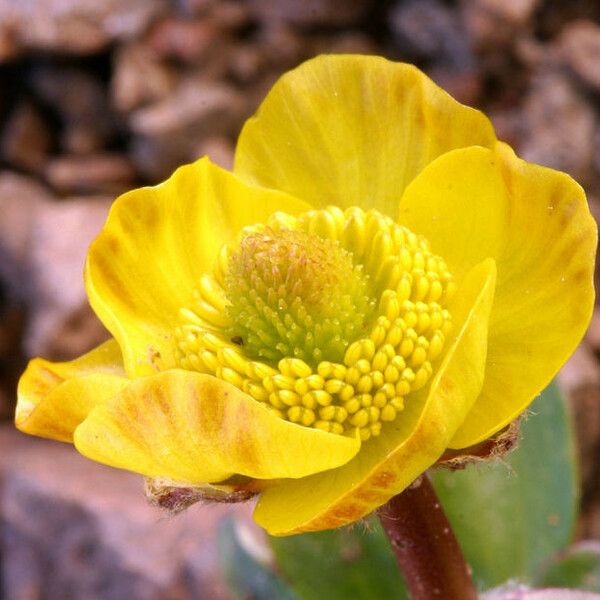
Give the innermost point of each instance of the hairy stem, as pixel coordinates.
(425, 546)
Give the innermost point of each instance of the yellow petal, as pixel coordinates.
(387, 464)
(156, 244)
(353, 131)
(535, 223)
(54, 398)
(196, 428)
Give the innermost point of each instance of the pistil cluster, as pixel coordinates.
(331, 319)
(295, 294)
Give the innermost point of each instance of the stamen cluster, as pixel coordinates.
(331, 319)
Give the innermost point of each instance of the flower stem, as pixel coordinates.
(425, 546)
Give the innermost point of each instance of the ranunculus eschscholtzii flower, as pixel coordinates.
(379, 280)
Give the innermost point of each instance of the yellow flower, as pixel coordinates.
(378, 281)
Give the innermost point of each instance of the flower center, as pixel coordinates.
(331, 319)
(293, 293)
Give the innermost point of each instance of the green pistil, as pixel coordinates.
(295, 294)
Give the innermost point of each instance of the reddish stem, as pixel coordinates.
(425, 546)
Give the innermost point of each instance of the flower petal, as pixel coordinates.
(387, 464)
(353, 131)
(193, 427)
(156, 244)
(54, 398)
(535, 223)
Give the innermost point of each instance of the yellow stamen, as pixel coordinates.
(331, 319)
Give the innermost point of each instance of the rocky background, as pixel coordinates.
(98, 96)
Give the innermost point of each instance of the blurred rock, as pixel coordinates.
(202, 105)
(283, 44)
(580, 371)
(580, 48)
(6, 407)
(74, 26)
(585, 404)
(169, 132)
(90, 174)
(184, 40)
(495, 23)
(594, 204)
(197, 7)
(62, 231)
(80, 331)
(552, 18)
(580, 378)
(340, 43)
(9, 48)
(592, 335)
(430, 30)
(139, 77)
(311, 12)
(11, 327)
(559, 125)
(219, 149)
(228, 14)
(247, 62)
(465, 85)
(274, 48)
(12, 362)
(21, 199)
(588, 527)
(43, 244)
(81, 103)
(26, 139)
(531, 53)
(508, 123)
(155, 159)
(515, 12)
(71, 528)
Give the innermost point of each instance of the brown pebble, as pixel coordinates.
(95, 173)
(26, 139)
(579, 46)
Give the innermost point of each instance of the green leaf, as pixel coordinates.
(577, 567)
(509, 516)
(347, 563)
(247, 577)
